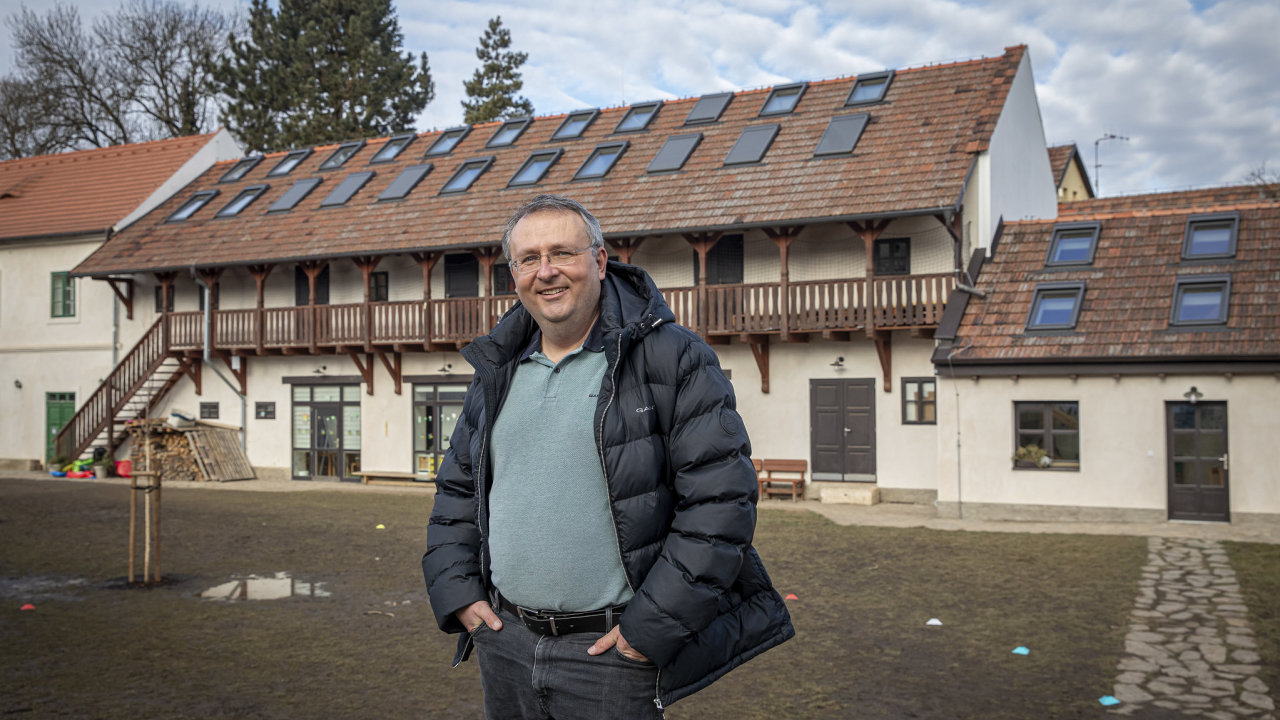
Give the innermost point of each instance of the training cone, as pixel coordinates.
(791, 596)
(28, 606)
(381, 526)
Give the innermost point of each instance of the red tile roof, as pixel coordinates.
(1060, 160)
(913, 157)
(86, 191)
(1129, 287)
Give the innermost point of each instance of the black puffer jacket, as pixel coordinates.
(681, 485)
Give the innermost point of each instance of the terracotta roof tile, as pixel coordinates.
(913, 156)
(86, 191)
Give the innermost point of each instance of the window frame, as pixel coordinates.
(483, 163)
(521, 124)
(159, 300)
(379, 286)
(836, 126)
(196, 202)
(595, 152)
(253, 192)
(919, 403)
(1047, 434)
(289, 162)
(240, 169)
(301, 188)
(347, 189)
(891, 242)
(1183, 282)
(1072, 229)
(454, 134)
(401, 141)
(561, 132)
(209, 410)
(667, 149)
(1056, 289)
(62, 304)
(741, 146)
(885, 75)
(713, 106)
(337, 159)
(652, 107)
(264, 410)
(799, 89)
(1233, 219)
(422, 171)
(551, 157)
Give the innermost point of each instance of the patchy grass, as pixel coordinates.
(862, 647)
(1258, 569)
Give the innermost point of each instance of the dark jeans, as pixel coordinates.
(527, 676)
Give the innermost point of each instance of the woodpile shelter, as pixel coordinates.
(813, 232)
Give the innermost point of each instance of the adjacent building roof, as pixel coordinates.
(745, 169)
(86, 191)
(1140, 262)
(1062, 158)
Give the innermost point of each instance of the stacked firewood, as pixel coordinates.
(171, 452)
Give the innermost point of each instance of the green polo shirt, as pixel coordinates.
(552, 540)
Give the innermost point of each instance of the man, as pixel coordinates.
(592, 527)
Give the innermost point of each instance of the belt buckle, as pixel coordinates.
(527, 615)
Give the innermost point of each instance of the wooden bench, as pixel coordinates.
(392, 477)
(792, 482)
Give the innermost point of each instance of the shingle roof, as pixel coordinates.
(913, 156)
(1129, 287)
(86, 191)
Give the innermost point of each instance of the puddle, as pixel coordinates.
(254, 587)
(41, 587)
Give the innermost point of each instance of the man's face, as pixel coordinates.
(559, 297)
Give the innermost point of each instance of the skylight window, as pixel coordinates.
(1211, 236)
(842, 135)
(509, 132)
(294, 195)
(241, 201)
(240, 169)
(341, 155)
(349, 186)
(752, 144)
(783, 99)
(1201, 300)
(1073, 244)
(1055, 306)
(392, 148)
(289, 162)
(708, 108)
(675, 152)
(466, 174)
(601, 161)
(448, 141)
(638, 117)
(535, 168)
(575, 124)
(870, 88)
(405, 182)
(190, 207)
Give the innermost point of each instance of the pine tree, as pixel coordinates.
(491, 92)
(319, 71)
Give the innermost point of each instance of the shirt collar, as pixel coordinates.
(594, 341)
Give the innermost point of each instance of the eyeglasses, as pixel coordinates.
(558, 257)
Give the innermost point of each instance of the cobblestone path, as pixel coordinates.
(1189, 649)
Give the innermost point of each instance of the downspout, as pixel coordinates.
(115, 318)
(208, 362)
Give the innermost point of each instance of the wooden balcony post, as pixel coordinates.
(211, 278)
(702, 244)
(260, 273)
(427, 261)
(625, 247)
(166, 290)
(869, 234)
(313, 268)
(366, 264)
(783, 237)
(488, 257)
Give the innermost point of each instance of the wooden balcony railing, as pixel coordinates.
(812, 306)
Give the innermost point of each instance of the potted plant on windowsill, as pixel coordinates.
(1031, 456)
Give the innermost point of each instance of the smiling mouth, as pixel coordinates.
(552, 292)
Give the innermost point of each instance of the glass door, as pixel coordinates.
(326, 434)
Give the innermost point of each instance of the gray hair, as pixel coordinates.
(554, 203)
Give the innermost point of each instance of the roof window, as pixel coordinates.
(289, 162)
(341, 155)
(240, 169)
(466, 174)
(1055, 306)
(294, 195)
(1201, 300)
(601, 161)
(870, 88)
(535, 168)
(1073, 244)
(405, 182)
(349, 186)
(509, 132)
(1211, 236)
(783, 99)
(675, 152)
(448, 141)
(842, 135)
(638, 117)
(241, 201)
(189, 208)
(752, 144)
(392, 148)
(709, 108)
(575, 124)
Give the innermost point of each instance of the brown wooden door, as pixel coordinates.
(842, 429)
(1198, 461)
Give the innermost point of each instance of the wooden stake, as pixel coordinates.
(133, 523)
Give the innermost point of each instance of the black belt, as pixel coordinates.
(548, 622)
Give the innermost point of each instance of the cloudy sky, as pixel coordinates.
(1191, 84)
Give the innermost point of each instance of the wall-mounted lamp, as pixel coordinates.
(17, 384)
(320, 370)
(1192, 395)
(445, 367)
(839, 363)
